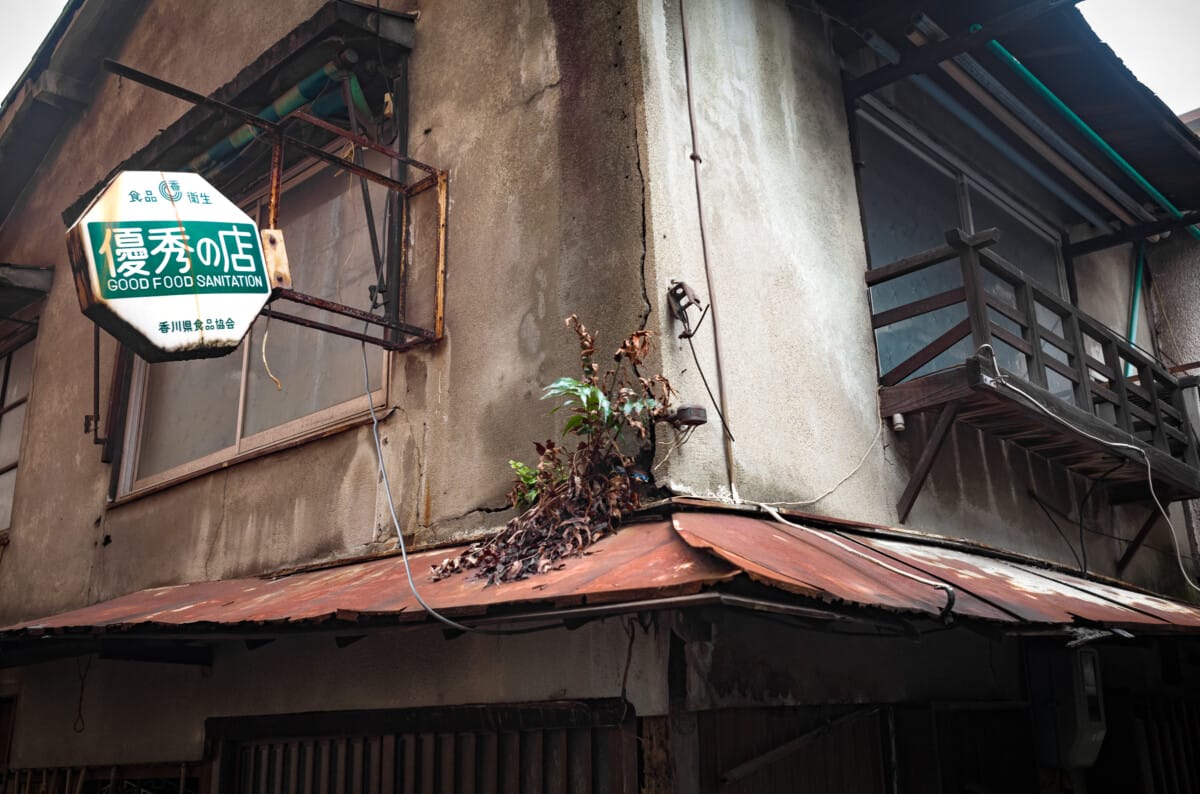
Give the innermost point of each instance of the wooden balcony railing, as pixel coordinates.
(1084, 372)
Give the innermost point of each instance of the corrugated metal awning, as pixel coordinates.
(694, 551)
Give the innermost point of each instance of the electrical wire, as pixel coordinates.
(841, 482)
(715, 403)
(1083, 505)
(400, 544)
(830, 538)
(1003, 381)
(1063, 535)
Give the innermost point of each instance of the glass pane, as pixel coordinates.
(899, 341)
(8, 481)
(10, 435)
(191, 411)
(19, 374)
(325, 230)
(1036, 256)
(908, 204)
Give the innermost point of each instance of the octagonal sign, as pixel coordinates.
(168, 266)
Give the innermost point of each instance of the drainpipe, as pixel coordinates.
(975, 72)
(956, 109)
(1010, 60)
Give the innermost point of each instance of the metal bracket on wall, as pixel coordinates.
(398, 335)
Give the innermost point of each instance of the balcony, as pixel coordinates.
(977, 342)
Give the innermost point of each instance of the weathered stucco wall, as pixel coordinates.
(786, 256)
(545, 220)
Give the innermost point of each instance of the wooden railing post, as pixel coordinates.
(1112, 358)
(1146, 374)
(976, 301)
(1027, 303)
(1083, 389)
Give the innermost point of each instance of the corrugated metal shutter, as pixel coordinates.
(532, 750)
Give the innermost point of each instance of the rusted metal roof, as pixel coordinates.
(694, 551)
(642, 561)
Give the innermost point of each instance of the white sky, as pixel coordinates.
(1157, 41)
(23, 25)
(1155, 38)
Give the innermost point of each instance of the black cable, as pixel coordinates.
(1062, 534)
(716, 405)
(1083, 504)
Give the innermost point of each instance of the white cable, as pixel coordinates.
(387, 489)
(839, 483)
(831, 538)
(1003, 381)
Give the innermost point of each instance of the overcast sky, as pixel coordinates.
(1155, 38)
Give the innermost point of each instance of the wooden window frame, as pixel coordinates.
(327, 421)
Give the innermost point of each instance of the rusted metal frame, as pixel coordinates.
(372, 232)
(1138, 540)
(928, 56)
(158, 84)
(917, 308)
(925, 463)
(361, 140)
(351, 312)
(926, 354)
(316, 325)
(276, 181)
(1131, 234)
(443, 200)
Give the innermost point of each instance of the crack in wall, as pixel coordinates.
(529, 100)
(216, 533)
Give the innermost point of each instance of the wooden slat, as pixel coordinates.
(1008, 311)
(387, 764)
(910, 264)
(373, 763)
(410, 764)
(1012, 340)
(925, 463)
(926, 354)
(1061, 368)
(489, 763)
(465, 763)
(510, 763)
(532, 763)
(917, 308)
(928, 391)
(445, 761)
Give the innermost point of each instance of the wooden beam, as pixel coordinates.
(1131, 234)
(925, 462)
(1137, 541)
(925, 58)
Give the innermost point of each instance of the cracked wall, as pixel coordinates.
(537, 128)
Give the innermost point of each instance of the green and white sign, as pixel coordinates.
(169, 266)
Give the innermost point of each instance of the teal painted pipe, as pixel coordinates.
(1032, 80)
(296, 96)
(1139, 276)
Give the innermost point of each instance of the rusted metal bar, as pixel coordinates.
(368, 209)
(276, 182)
(1138, 540)
(439, 322)
(361, 140)
(925, 462)
(932, 54)
(352, 313)
(333, 329)
(158, 84)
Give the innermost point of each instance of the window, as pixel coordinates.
(16, 371)
(913, 192)
(191, 415)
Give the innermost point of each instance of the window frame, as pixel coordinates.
(907, 134)
(319, 424)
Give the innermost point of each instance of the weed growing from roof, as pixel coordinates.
(580, 488)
